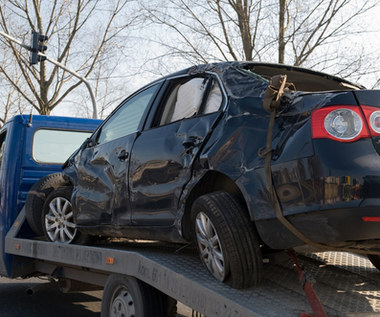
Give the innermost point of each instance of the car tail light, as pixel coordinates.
(371, 219)
(340, 123)
(372, 115)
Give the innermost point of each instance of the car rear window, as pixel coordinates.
(55, 146)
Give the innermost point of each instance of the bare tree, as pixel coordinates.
(80, 34)
(11, 100)
(282, 27)
(211, 30)
(317, 24)
(299, 32)
(12, 104)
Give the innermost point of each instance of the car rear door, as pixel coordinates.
(162, 155)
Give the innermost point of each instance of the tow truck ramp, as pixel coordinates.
(347, 284)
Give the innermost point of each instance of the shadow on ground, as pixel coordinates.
(48, 302)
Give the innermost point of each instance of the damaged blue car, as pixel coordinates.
(237, 157)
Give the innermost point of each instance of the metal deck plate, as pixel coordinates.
(347, 284)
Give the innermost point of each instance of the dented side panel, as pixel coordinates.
(161, 166)
(100, 182)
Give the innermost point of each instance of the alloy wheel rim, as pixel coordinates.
(59, 223)
(122, 304)
(209, 246)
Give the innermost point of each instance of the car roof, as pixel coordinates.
(301, 77)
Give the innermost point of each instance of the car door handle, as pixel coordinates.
(192, 141)
(123, 155)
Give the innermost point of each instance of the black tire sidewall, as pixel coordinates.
(237, 236)
(36, 198)
(134, 287)
(201, 206)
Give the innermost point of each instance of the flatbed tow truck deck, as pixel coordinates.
(347, 284)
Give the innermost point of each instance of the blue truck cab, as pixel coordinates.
(30, 148)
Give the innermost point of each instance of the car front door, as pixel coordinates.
(163, 153)
(101, 194)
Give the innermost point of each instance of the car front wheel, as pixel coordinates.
(227, 240)
(58, 220)
(36, 198)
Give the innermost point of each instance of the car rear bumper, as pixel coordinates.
(326, 196)
(331, 227)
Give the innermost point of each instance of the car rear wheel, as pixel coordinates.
(227, 240)
(36, 198)
(58, 220)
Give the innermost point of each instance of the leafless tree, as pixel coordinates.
(210, 30)
(12, 103)
(300, 32)
(315, 25)
(80, 32)
(10, 98)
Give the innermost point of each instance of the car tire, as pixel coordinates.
(227, 240)
(127, 296)
(375, 260)
(36, 198)
(58, 219)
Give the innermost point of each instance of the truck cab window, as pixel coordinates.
(55, 146)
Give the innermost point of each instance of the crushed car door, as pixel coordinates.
(163, 153)
(101, 193)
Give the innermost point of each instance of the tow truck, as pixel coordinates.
(329, 283)
(152, 276)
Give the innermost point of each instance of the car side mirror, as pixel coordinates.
(87, 143)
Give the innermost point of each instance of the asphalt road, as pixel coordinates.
(50, 302)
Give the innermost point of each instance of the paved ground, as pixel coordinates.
(15, 302)
(50, 302)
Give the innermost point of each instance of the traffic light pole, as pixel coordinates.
(75, 74)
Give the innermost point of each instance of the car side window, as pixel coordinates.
(200, 95)
(127, 118)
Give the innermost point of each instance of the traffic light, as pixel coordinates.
(37, 45)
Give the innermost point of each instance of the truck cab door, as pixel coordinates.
(101, 194)
(162, 155)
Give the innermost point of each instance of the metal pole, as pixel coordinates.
(75, 74)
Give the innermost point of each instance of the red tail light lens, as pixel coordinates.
(340, 123)
(372, 115)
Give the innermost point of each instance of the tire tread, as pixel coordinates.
(36, 198)
(238, 237)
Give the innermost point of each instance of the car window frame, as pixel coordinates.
(92, 141)
(158, 109)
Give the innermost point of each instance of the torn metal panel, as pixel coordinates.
(100, 193)
(162, 166)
